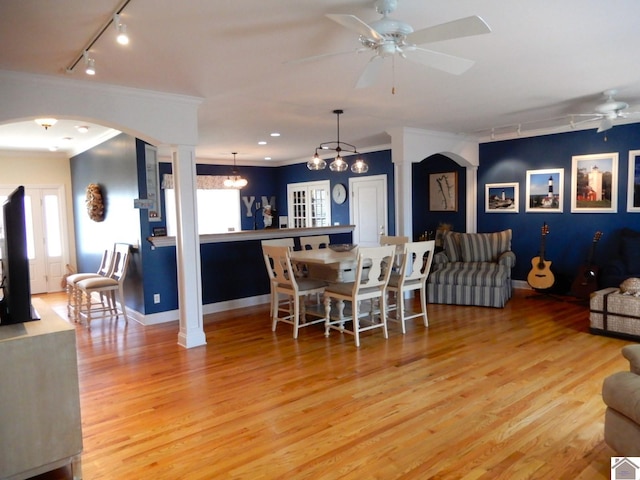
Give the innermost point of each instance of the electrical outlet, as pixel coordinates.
(156, 298)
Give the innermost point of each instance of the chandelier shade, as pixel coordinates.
(339, 164)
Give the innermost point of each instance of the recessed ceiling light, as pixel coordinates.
(53, 149)
(267, 158)
(262, 142)
(275, 134)
(82, 128)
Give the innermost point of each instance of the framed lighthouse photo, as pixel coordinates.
(594, 183)
(545, 190)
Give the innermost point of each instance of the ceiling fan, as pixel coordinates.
(609, 111)
(387, 37)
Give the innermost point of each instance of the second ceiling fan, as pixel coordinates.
(387, 37)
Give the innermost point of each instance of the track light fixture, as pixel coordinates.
(235, 180)
(122, 39)
(121, 28)
(89, 64)
(339, 164)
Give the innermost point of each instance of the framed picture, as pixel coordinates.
(633, 191)
(501, 198)
(594, 183)
(545, 190)
(443, 192)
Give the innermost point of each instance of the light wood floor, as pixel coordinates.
(481, 394)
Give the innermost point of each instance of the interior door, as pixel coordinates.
(368, 209)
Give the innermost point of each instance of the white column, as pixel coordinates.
(188, 248)
(403, 178)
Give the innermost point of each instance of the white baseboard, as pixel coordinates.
(174, 315)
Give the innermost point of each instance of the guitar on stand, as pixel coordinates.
(585, 282)
(541, 277)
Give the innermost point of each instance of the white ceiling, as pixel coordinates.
(543, 59)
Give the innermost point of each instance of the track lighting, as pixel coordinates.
(121, 28)
(89, 64)
(339, 164)
(122, 39)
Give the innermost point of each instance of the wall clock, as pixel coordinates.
(339, 193)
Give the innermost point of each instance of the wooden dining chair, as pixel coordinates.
(398, 242)
(414, 270)
(284, 281)
(105, 288)
(314, 242)
(104, 270)
(371, 279)
(278, 242)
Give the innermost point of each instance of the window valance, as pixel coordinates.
(203, 182)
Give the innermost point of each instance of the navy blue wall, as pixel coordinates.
(570, 234)
(112, 165)
(424, 220)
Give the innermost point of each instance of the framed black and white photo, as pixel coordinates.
(545, 190)
(594, 183)
(502, 198)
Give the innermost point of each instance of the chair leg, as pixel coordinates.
(123, 307)
(383, 315)
(423, 304)
(400, 310)
(356, 322)
(274, 310)
(296, 316)
(327, 315)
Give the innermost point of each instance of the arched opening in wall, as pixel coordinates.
(40, 157)
(439, 185)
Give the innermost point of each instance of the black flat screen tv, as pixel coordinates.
(16, 300)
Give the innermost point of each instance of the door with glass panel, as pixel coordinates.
(46, 242)
(308, 204)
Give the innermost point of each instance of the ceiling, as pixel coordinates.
(543, 59)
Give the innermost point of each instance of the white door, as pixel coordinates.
(368, 209)
(46, 243)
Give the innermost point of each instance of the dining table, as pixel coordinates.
(327, 264)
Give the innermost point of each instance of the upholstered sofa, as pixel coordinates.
(472, 269)
(625, 261)
(621, 394)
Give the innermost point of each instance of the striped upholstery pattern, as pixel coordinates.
(480, 276)
(484, 247)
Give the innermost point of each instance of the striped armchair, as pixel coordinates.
(473, 269)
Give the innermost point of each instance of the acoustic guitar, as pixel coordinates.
(540, 277)
(585, 282)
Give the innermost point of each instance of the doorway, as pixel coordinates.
(368, 209)
(46, 240)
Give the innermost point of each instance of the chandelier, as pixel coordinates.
(235, 180)
(338, 164)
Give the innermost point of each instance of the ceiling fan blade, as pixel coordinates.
(354, 23)
(605, 124)
(438, 60)
(463, 27)
(321, 56)
(370, 73)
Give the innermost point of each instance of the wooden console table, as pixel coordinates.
(40, 424)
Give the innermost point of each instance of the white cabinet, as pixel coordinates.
(40, 424)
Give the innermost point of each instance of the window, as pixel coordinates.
(309, 204)
(216, 211)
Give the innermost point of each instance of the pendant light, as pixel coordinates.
(235, 180)
(338, 164)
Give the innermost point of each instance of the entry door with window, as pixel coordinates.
(308, 204)
(46, 243)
